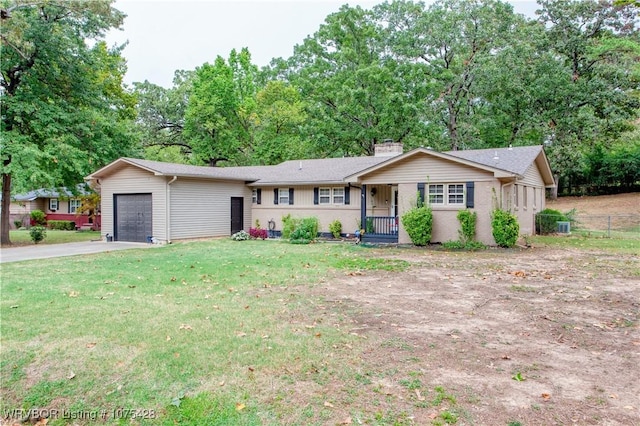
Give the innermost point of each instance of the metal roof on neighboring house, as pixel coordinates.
(51, 193)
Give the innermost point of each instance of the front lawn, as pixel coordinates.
(22, 237)
(205, 330)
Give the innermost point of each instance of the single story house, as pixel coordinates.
(57, 204)
(144, 199)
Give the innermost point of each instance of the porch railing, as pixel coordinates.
(381, 226)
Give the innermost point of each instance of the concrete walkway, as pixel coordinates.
(44, 251)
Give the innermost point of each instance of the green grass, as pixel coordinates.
(211, 332)
(21, 237)
(619, 245)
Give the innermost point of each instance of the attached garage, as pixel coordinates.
(142, 199)
(133, 217)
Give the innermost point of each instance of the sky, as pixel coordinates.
(163, 36)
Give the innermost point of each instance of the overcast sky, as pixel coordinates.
(168, 35)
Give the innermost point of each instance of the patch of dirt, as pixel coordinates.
(602, 204)
(540, 336)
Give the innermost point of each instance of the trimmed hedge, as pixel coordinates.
(61, 225)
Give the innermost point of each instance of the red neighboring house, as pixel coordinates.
(57, 204)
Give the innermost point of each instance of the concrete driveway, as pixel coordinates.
(44, 251)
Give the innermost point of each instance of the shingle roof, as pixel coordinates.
(295, 172)
(515, 160)
(326, 170)
(249, 173)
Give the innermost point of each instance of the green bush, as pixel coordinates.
(61, 225)
(467, 231)
(289, 224)
(18, 224)
(418, 222)
(369, 228)
(505, 227)
(336, 228)
(38, 218)
(546, 221)
(37, 233)
(305, 231)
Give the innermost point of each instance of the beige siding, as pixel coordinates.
(132, 180)
(303, 206)
(203, 208)
(425, 168)
(532, 177)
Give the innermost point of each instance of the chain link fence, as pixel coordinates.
(626, 226)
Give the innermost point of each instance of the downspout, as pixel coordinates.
(168, 208)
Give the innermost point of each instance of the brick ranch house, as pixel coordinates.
(142, 199)
(57, 204)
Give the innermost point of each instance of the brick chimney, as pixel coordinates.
(388, 148)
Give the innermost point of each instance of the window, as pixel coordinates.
(254, 196)
(74, 205)
(456, 194)
(53, 204)
(283, 195)
(516, 188)
(338, 195)
(535, 197)
(324, 195)
(524, 197)
(436, 194)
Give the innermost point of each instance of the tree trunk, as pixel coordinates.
(554, 191)
(5, 213)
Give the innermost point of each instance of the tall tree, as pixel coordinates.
(64, 109)
(160, 117)
(449, 44)
(278, 118)
(597, 45)
(355, 95)
(218, 124)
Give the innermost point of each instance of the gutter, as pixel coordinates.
(168, 208)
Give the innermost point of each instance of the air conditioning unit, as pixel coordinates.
(564, 227)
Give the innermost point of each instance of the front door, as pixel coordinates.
(237, 214)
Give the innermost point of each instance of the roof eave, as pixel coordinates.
(260, 183)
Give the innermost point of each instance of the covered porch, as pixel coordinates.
(379, 213)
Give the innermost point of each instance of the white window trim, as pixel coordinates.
(327, 197)
(283, 199)
(456, 194)
(333, 195)
(445, 194)
(52, 202)
(254, 196)
(74, 204)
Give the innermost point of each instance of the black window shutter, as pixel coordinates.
(290, 196)
(259, 195)
(470, 195)
(420, 193)
(275, 196)
(316, 195)
(347, 195)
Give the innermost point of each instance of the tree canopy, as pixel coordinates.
(64, 109)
